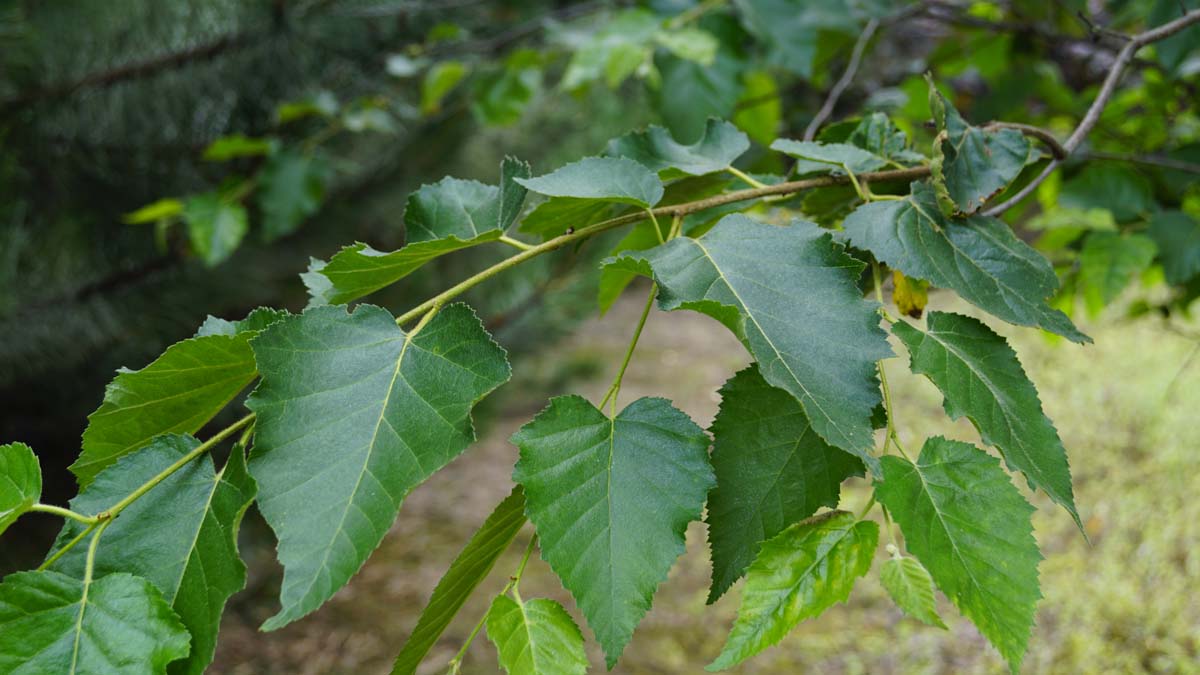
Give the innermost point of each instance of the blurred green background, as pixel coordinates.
(330, 112)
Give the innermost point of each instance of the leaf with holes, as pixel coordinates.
(611, 499)
(352, 414)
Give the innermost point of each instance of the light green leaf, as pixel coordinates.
(970, 527)
(759, 109)
(973, 165)
(181, 536)
(614, 52)
(978, 257)
(501, 99)
(352, 414)
(291, 187)
(981, 379)
(1178, 237)
(535, 637)
(772, 471)
(215, 226)
(798, 574)
(1108, 262)
(656, 150)
(441, 218)
(611, 499)
(609, 179)
(817, 157)
(439, 81)
(178, 393)
(467, 571)
(911, 587)
(236, 146)
(163, 209)
(790, 294)
(691, 43)
(20, 482)
(118, 625)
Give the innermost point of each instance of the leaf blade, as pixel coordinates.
(535, 637)
(609, 179)
(910, 586)
(20, 482)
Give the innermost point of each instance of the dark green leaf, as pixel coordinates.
(1121, 190)
(20, 482)
(967, 523)
(911, 587)
(353, 414)
(800, 573)
(607, 179)
(1178, 237)
(181, 536)
(692, 93)
(772, 471)
(655, 149)
(556, 215)
(120, 625)
(291, 187)
(466, 572)
(178, 393)
(877, 134)
(1108, 262)
(611, 499)
(971, 163)
(790, 29)
(502, 98)
(215, 226)
(535, 637)
(255, 321)
(790, 294)
(981, 379)
(978, 257)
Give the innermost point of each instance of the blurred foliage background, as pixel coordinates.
(161, 160)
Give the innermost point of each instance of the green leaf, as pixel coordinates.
(439, 81)
(352, 414)
(1123, 191)
(1178, 237)
(790, 294)
(970, 527)
(163, 209)
(798, 574)
(20, 482)
(181, 536)
(215, 226)
(911, 587)
(790, 29)
(877, 134)
(535, 637)
(981, 379)
(759, 109)
(235, 146)
(500, 100)
(1108, 262)
(291, 187)
(656, 150)
(772, 471)
(609, 179)
(118, 625)
(693, 44)
(179, 392)
(691, 93)
(978, 257)
(613, 280)
(816, 157)
(256, 320)
(614, 52)
(467, 571)
(441, 218)
(973, 165)
(556, 215)
(611, 499)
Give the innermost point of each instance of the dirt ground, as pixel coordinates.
(1121, 605)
